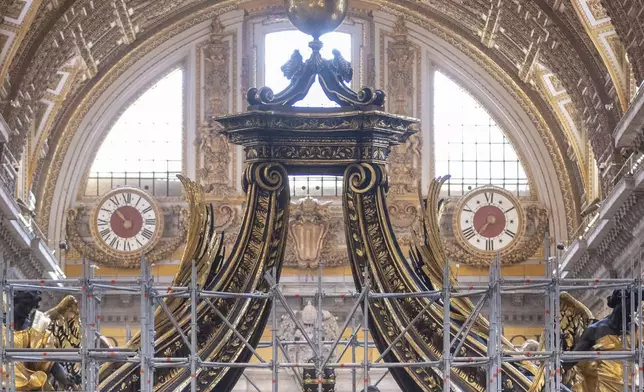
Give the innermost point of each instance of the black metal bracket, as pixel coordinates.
(333, 75)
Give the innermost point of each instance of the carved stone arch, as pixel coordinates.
(100, 117)
(516, 115)
(480, 75)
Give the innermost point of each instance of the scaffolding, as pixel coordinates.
(91, 355)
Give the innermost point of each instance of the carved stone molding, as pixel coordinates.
(308, 229)
(21, 261)
(404, 160)
(626, 15)
(215, 153)
(403, 213)
(618, 240)
(315, 234)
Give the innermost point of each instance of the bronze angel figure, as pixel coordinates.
(580, 331)
(56, 328)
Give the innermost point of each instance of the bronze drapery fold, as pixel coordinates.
(258, 249)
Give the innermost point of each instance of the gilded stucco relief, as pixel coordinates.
(401, 58)
(216, 158)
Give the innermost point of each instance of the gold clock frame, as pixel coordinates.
(158, 232)
(458, 232)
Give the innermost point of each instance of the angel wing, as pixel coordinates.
(65, 323)
(66, 330)
(575, 318)
(293, 66)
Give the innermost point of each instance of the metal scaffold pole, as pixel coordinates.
(88, 315)
(91, 290)
(640, 349)
(556, 315)
(365, 326)
(275, 339)
(7, 379)
(319, 330)
(194, 354)
(495, 349)
(447, 343)
(147, 328)
(549, 320)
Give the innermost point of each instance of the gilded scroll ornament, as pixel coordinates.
(373, 248)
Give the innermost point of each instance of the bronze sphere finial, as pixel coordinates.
(316, 17)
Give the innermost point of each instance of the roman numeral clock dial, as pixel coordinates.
(127, 221)
(488, 219)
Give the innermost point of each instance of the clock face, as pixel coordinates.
(489, 219)
(127, 221)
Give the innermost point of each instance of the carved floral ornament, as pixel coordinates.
(402, 58)
(215, 154)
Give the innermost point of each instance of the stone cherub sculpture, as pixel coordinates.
(302, 352)
(288, 331)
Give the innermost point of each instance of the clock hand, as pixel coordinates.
(482, 228)
(490, 220)
(120, 214)
(127, 224)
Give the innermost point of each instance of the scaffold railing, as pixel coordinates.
(90, 290)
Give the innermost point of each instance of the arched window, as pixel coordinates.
(469, 145)
(276, 53)
(144, 146)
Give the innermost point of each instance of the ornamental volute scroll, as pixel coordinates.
(353, 140)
